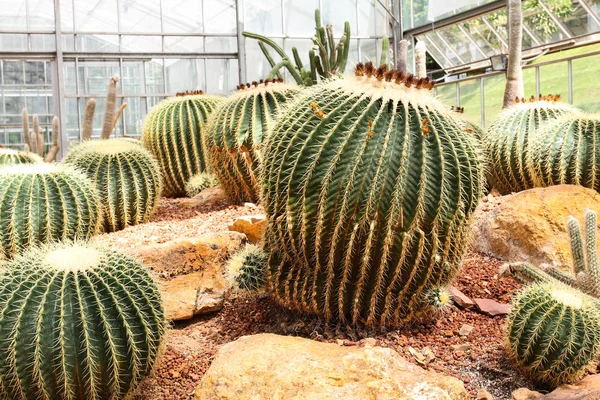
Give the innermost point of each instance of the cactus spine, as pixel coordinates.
(236, 132)
(9, 157)
(508, 142)
(42, 203)
(174, 131)
(566, 152)
(126, 176)
(246, 270)
(199, 182)
(77, 322)
(553, 332)
(369, 190)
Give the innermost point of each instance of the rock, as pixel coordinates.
(483, 394)
(466, 329)
(586, 389)
(370, 342)
(530, 225)
(253, 226)
(526, 394)
(460, 299)
(190, 272)
(492, 307)
(210, 198)
(268, 366)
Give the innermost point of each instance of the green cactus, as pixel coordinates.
(566, 153)
(508, 142)
(10, 157)
(42, 203)
(174, 131)
(552, 333)
(370, 185)
(236, 132)
(199, 182)
(77, 322)
(126, 176)
(246, 270)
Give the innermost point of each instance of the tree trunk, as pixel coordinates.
(514, 72)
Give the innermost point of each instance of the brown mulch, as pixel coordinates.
(477, 359)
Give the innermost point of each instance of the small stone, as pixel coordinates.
(466, 329)
(460, 299)
(460, 347)
(492, 307)
(339, 342)
(253, 226)
(371, 342)
(250, 205)
(483, 394)
(525, 394)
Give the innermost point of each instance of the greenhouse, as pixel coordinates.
(286, 199)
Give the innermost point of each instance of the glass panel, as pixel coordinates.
(470, 100)
(221, 44)
(219, 16)
(263, 16)
(13, 42)
(529, 86)
(483, 37)
(406, 14)
(140, 16)
(443, 47)
(257, 66)
(71, 118)
(153, 101)
(43, 43)
(41, 14)
(133, 117)
(69, 77)
(184, 74)
(34, 72)
(141, 44)
(586, 87)
(66, 16)
(97, 43)
(96, 16)
(553, 79)
(133, 77)
(154, 76)
(368, 50)
(493, 88)
(540, 22)
(221, 75)
(352, 55)
(447, 94)
(337, 12)
(13, 15)
(184, 44)
(433, 52)
(68, 43)
(13, 72)
(460, 43)
(300, 17)
(181, 16)
(578, 21)
(95, 76)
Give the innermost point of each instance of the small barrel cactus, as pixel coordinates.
(174, 131)
(370, 185)
(77, 322)
(553, 332)
(236, 132)
(566, 153)
(508, 142)
(247, 269)
(10, 157)
(199, 182)
(42, 203)
(126, 176)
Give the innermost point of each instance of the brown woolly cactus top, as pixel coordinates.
(392, 75)
(533, 99)
(189, 93)
(261, 82)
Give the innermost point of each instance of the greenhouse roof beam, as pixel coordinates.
(437, 33)
(590, 12)
(430, 42)
(473, 42)
(563, 28)
(495, 32)
(532, 35)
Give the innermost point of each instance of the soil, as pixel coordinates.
(477, 359)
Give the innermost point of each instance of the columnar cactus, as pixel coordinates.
(246, 270)
(42, 203)
(174, 131)
(199, 182)
(126, 176)
(9, 157)
(552, 333)
(566, 151)
(77, 322)
(369, 185)
(508, 142)
(236, 132)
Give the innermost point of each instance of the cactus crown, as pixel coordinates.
(10, 156)
(189, 93)
(262, 82)
(549, 98)
(396, 76)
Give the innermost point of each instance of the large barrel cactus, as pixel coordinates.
(567, 151)
(126, 176)
(236, 132)
(77, 322)
(553, 332)
(369, 185)
(174, 131)
(10, 157)
(42, 203)
(508, 146)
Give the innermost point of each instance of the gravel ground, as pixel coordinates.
(477, 359)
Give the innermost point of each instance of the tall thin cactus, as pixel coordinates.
(109, 112)
(88, 120)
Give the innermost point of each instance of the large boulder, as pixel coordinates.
(268, 366)
(586, 389)
(531, 225)
(189, 271)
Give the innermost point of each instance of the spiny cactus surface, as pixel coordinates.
(552, 333)
(42, 203)
(174, 131)
(369, 187)
(247, 269)
(237, 131)
(508, 142)
(10, 157)
(199, 182)
(77, 322)
(567, 151)
(126, 176)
